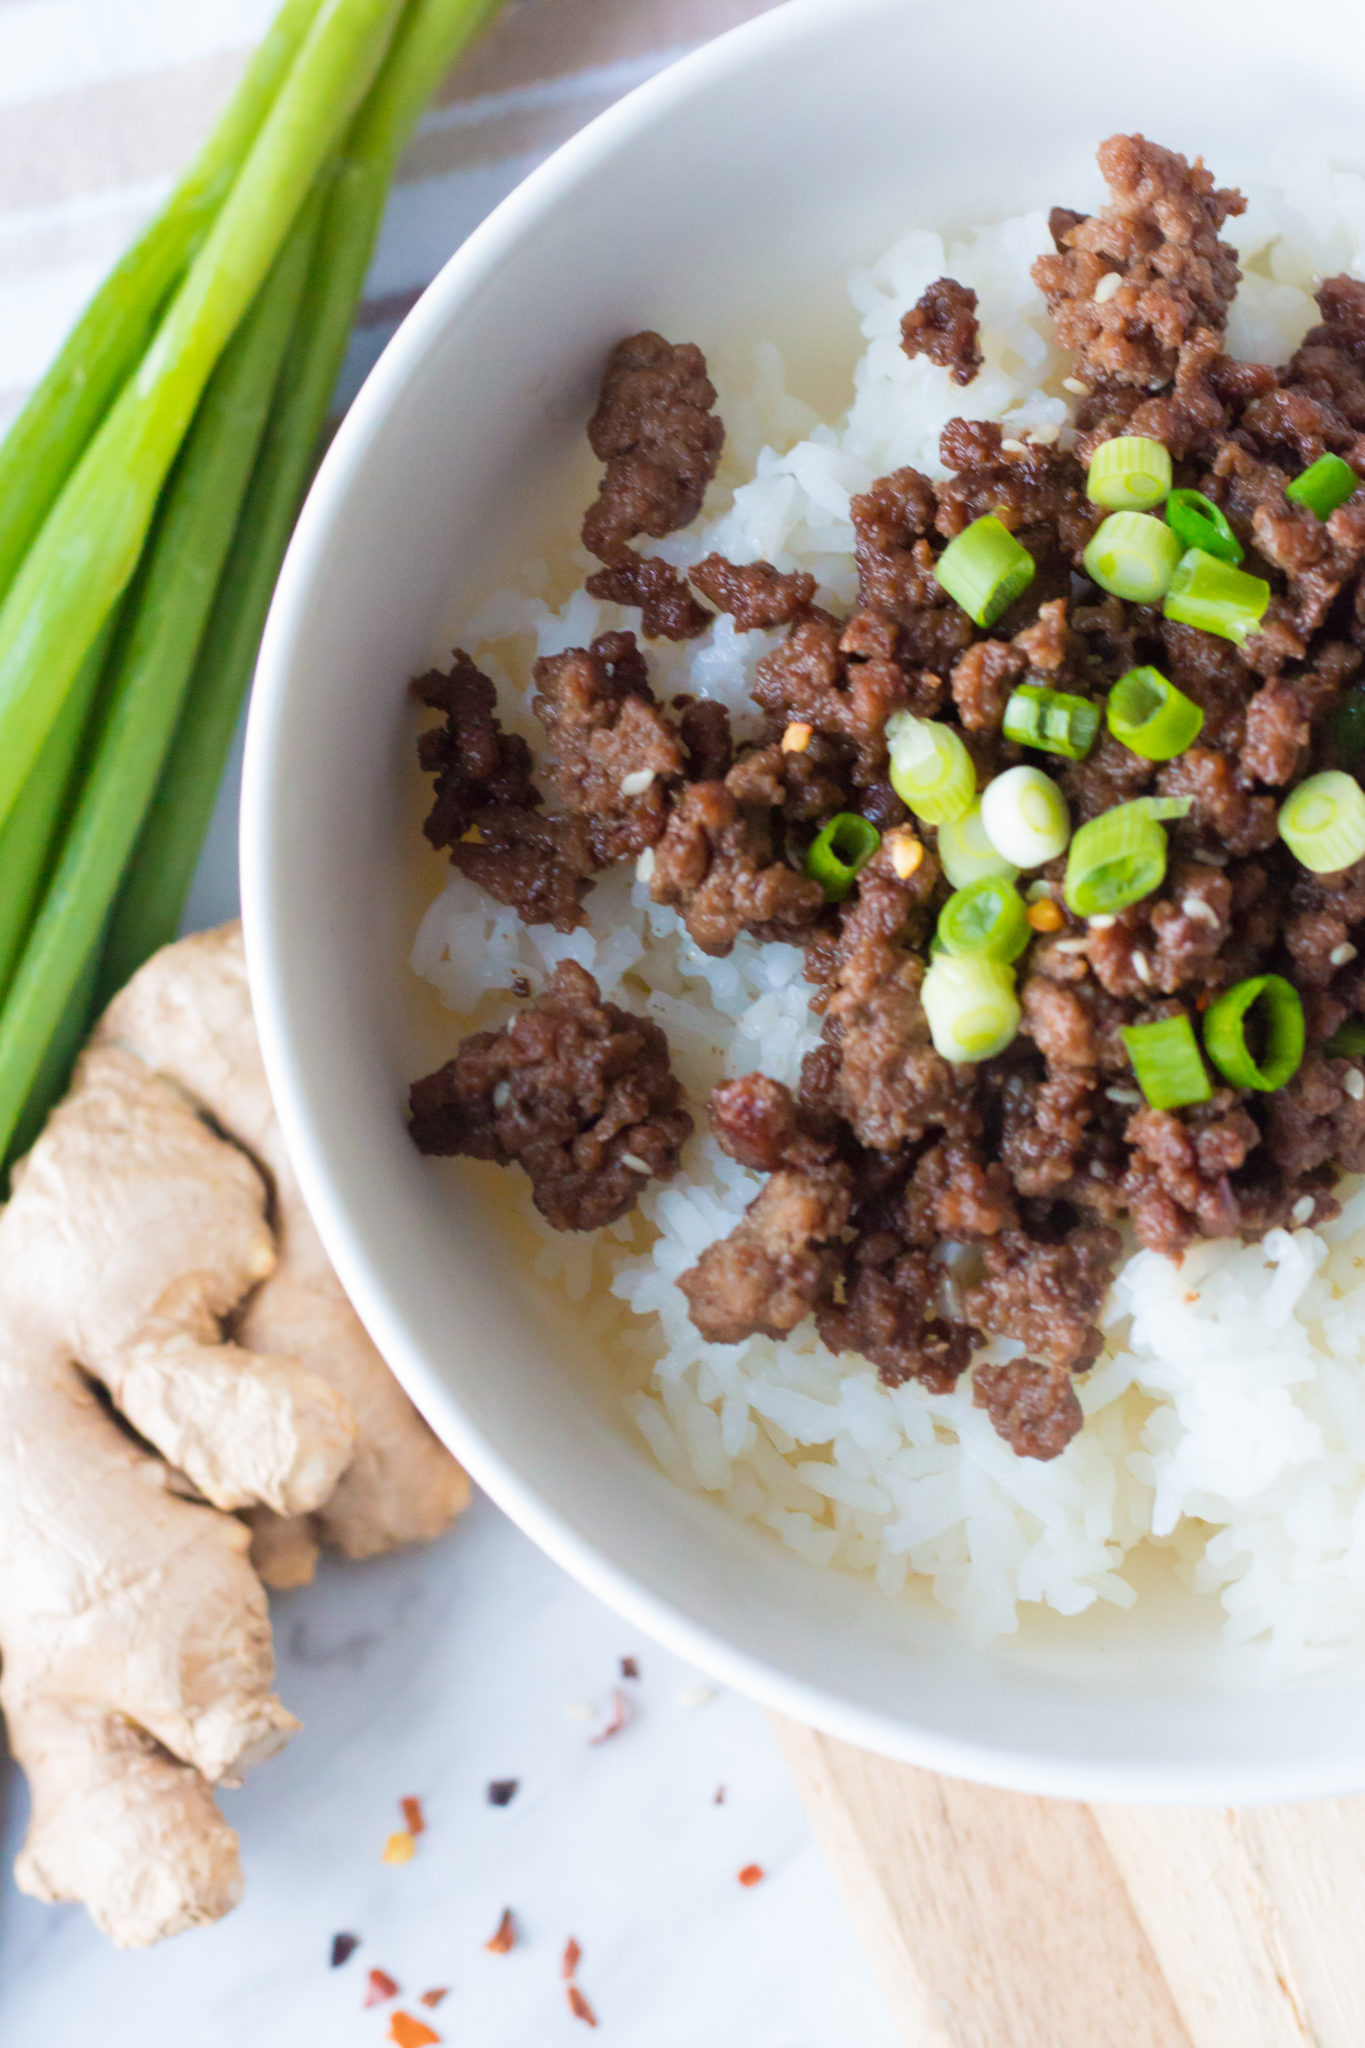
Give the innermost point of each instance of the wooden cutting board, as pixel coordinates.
(994, 1920)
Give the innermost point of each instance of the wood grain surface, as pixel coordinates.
(994, 1920)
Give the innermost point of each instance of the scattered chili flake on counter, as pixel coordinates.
(407, 2032)
(505, 1937)
(344, 1947)
(435, 1995)
(579, 2007)
(413, 1816)
(502, 1791)
(573, 1955)
(620, 1715)
(752, 1873)
(380, 1986)
(630, 1667)
(399, 1848)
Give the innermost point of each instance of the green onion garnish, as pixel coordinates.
(1347, 1041)
(1216, 597)
(1322, 822)
(1129, 474)
(837, 855)
(1148, 713)
(984, 569)
(1272, 1004)
(1052, 720)
(966, 853)
(1025, 817)
(1133, 556)
(931, 771)
(1115, 859)
(1197, 522)
(1324, 485)
(987, 918)
(971, 1006)
(1166, 1061)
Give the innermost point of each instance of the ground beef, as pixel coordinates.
(892, 523)
(540, 866)
(1047, 1297)
(613, 754)
(1158, 237)
(1166, 942)
(809, 679)
(1046, 1128)
(578, 1092)
(1225, 816)
(943, 326)
(668, 610)
(756, 596)
(474, 763)
(1034, 1407)
(1316, 1121)
(720, 859)
(708, 742)
(656, 432)
(1179, 1184)
(891, 1315)
(780, 1261)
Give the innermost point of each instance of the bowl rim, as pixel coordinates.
(1121, 1778)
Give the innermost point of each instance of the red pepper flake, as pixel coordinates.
(381, 1986)
(407, 2032)
(573, 1955)
(502, 1791)
(506, 1936)
(434, 1997)
(579, 2007)
(620, 1715)
(344, 1947)
(752, 1873)
(413, 1816)
(630, 1667)
(718, 1797)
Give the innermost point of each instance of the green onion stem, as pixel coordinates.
(1148, 714)
(149, 671)
(1166, 1061)
(984, 568)
(1197, 522)
(55, 425)
(1054, 721)
(147, 914)
(91, 540)
(1324, 485)
(1275, 1005)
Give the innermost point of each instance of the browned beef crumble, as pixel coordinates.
(668, 610)
(917, 1207)
(943, 326)
(579, 1092)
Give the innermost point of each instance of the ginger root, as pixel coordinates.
(137, 1665)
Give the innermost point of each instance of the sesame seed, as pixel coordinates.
(1128, 1096)
(797, 737)
(637, 782)
(502, 1095)
(1071, 945)
(1302, 1211)
(634, 1162)
(1353, 1081)
(1110, 283)
(1141, 968)
(1045, 435)
(1199, 910)
(1340, 955)
(1075, 386)
(1102, 923)
(1013, 447)
(644, 866)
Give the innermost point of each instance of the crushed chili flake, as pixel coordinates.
(399, 1848)
(413, 1816)
(752, 1873)
(407, 2032)
(379, 1987)
(573, 1955)
(344, 1947)
(630, 1667)
(505, 1938)
(502, 1791)
(620, 1715)
(718, 1798)
(435, 1995)
(579, 2007)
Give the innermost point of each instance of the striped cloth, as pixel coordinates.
(103, 101)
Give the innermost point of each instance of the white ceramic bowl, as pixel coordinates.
(728, 196)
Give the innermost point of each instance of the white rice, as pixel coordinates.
(1226, 1417)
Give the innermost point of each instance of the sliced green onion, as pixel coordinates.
(987, 919)
(1147, 713)
(1025, 817)
(971, 1006)
(1129, 474)
(1274, 1006)
(1115, 859)
(840, 852)
(1163, 808)
(1324, 485)
(1052, 720)
(984, 569)
(1215, 597)
(1347, 1041)
(966, 853)
(1197, 522)
(1166, 1061)
(1322, 822)
(1133, 556)
(931, 771)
